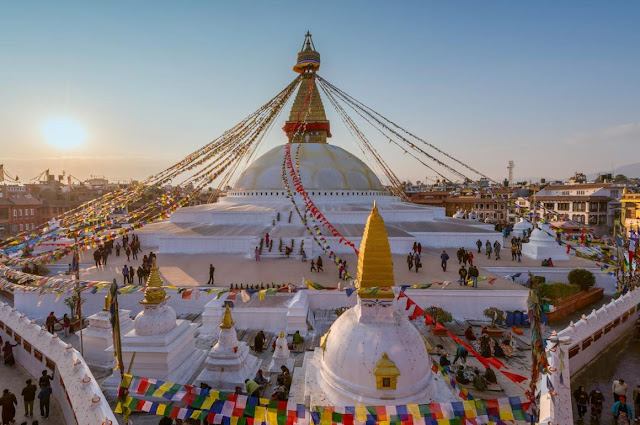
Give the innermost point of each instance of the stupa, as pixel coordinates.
(281, 355)
(164, 347)
(372, 354)
(228, 363)
(341, 185)
(542, 246)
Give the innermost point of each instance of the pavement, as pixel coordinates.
(14, 378)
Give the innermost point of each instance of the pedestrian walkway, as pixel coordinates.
(621, 360)
(14, 378)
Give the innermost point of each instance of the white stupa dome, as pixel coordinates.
(322, 167)
(354, 348)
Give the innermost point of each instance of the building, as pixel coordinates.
(630, 210)
(19, 210)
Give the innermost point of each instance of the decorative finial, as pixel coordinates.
(154, 292)
(375, 263)
(227, 320)
(281, 334)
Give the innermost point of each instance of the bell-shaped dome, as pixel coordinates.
(322, 167)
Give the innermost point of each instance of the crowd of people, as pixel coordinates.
(9, 401)
(622, 410)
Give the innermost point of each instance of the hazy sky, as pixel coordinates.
(554, 86)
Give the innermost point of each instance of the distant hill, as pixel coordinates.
(631, 171)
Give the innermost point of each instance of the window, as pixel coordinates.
(20, 213)
(563, 206)
(21, 228)
(565, 193)
(26, 212)
(31, 212)
(580, 192)
(386, 382)
(580, 206)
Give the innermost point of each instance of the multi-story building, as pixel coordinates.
(630, 210)
(22, 208)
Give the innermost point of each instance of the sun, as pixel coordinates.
(63, 132)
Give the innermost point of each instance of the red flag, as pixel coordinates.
(515, 378)
(410, 302)
(428, 319)
(417, 312)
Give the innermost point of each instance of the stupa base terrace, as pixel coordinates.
(236, 224)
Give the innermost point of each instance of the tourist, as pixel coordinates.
(66, 325)
(45, 396)
(410, 261)
(140, 273)
(468, 333)
(460, 255)
(50, 322)
(465, 257)
(419, 248)
(444, 257)
(462, 272)
(118, 248)
(313, 266)
(105, 255)
(479, 245)
(415, 246)
(212, 270)
(496, 249)
(596, 399)
(260, 379)
(45, 379)
(8, 402)
(619, 389)
(418, 261)
(7, 351)
(514, 250)
(473, 274)
(490, 376)
(461, 353)
(259, 342)
(28, 396)
(319, 263)
(582, 398)
(519, 253)
(125, 273)
(256, 254)
(622, 411)
(132, 273)
(469, 257)
(127, 252)
(97, 257)
(252, 387)
(297, 341)
(266, 239)
(550, 262)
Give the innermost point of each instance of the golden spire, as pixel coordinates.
(154, 292)
(281, 334)
(227, 320)
(375, 264)
(307, 112)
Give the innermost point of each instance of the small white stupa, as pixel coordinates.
(371, 355)
(521, 227)
(281, 355)
(229, 362)
(164, 347)
(98, 338)
(542, 246)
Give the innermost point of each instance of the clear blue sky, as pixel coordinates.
(554, 86)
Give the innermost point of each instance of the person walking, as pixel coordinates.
(66, 325)
(596, 400)
(127, 252)
(418, 261)
(619, 389)
(258, 342)
(118, 248)
(479, 245)
(50, 322)
(212, 270)
(460, 255)
(256, 254)
(319, 263)
(419, 248)
(313, 266)
(8, 402)
(132, 273)
(444, 257)
(470, 257)
(140, 274)
(496, 249)
(582, 399)
(29, 396)
(488, 249)
(7, 351)
(473, 274)
(125, 273)
(462, 272)
(45, 397)
(410, 261)
(514, 251)
(622, 412)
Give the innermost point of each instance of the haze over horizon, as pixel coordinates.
(553, 87)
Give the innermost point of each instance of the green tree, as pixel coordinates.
(495, 314)
(581, 277)
(440, 315)
(620, 178)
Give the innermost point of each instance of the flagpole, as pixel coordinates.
(76, 258)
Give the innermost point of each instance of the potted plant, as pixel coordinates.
(72, 303)
(496, 315)
(440, 317)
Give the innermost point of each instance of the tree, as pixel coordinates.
(620, 178)
(581, 277)
(440, 315)
(72, 303)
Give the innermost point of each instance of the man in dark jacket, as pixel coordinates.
(29, 395)
(45, 398)
(444, 257)
(45, 379)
